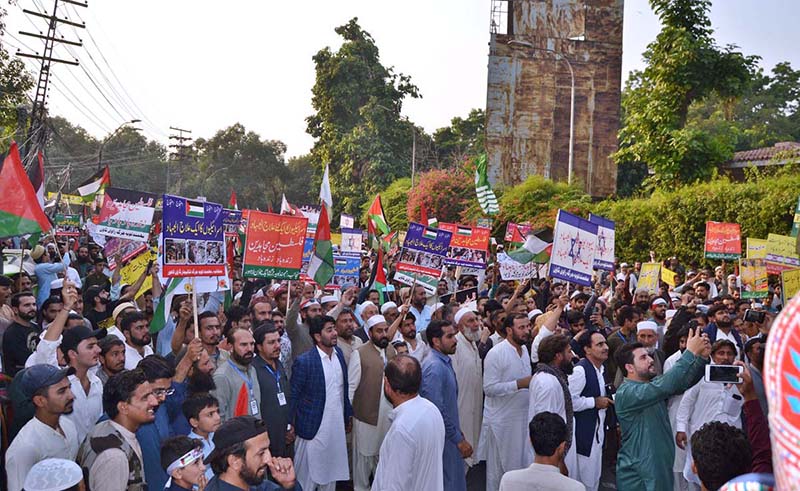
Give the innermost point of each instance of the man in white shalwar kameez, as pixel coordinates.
(680, 483)
(468, 368)
(364, 372)
(507, 373)
(547, 394)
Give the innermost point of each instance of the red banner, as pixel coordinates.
(723, 240)
(274, 246)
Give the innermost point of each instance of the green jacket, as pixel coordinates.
(647, 451)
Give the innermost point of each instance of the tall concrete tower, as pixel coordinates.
(535, 44)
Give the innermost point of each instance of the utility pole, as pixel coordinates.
(37, 134)
(179, 154)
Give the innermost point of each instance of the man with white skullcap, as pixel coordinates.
(370, 407)
(390, 311)
(647, 334)
(365, 311)
(54, 475)
(468, 367)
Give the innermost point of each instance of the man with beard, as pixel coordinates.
(275, 389)
(102, 307)
(627, 317)
(589, 404)
(390, 312)
(50, 309)
(421, 310)
(47, 435)
(647, 453)
(641, 299)
(721, 327)
(320, 380)
(97, 276)
(22, 336)
(84, 262)
(647, 335)
(241, 458)
(440, 387)
(298, 333)
(507, 375)
(112, 358)
(370, 407)
(110, 455)
(238, 391)
(658, 310)
(137, 339)
(365, 310)
(469, 374)
(345, 327)
(407, 332)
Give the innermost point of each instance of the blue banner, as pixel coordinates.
(574, 243)
(193, 238)
(604, 251)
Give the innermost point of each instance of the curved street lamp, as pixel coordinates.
(110, 136)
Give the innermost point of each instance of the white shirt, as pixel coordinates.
(577, 382)
(546, 394)
(419, 352)
(87, 408)
(411, 453)
(132, 357)
(368, 438)
(543, 333)
(468, 368)
(505, 410)
(539, 477)
(706, 402)
(35, 442)
(672, 409)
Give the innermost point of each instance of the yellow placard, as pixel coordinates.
(668, 277)
(781, 245)
(790, 283)
(756, 248)
(131, 272)
(648, 277)
(67, 198)
(753, 274)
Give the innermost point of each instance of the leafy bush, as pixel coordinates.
(537, 201)
(447, 193)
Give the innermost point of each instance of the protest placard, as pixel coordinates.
(790, 284)
(574, 241)
(649, 276)
(130, 273)
(753, 275)
(426, 281)
(346, 221)
(72, 199)
(424, 250)
(723, 240)
(512, 270)
(781, 253)
(345, 272)
(604, 251)
(274, 246)
(669, 277)
(125, 249)
(231, 220)
(351, 242)
(469, 246)
(68, 225)
(126, 214)
(756, 248)
(193, 238)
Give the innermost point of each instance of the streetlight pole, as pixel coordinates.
(109, 137)
(524, 44)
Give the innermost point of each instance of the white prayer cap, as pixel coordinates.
(575, 294)
(56, 284)
(533, 313)
(620, 276)
(437, 306)
(718, 268)
(659, 301)
(365, 304)
(375, 320)
(461, 313)
(703, 308)
(53, 475)
(671, 313)
(308, 303)
(388, 305)
(327, 298)
(675, 296)
(646, 326)
(623, 265)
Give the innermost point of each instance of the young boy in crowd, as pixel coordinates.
(182, 458)
(202, 412)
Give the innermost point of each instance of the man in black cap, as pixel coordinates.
(47, 435)
(241, 457)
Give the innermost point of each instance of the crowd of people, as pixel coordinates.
(524, 385)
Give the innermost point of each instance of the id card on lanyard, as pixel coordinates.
(249, 384)
(277, 375)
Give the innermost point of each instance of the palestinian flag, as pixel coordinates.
(379, 282)
(376, 222)
(94, 185)
(535, 249)
(20, 211)
(288, 209)
(321, 267)
(195, 209)
(389, 241)
(486, 197)
(175, 286)
(430, 233)
(36, 175)
(517, 239)
(464, 231)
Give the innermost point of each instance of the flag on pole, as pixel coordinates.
(535, 249)
(286, 208)
(486, 197)
(321, 267)
(233, 203)
(36, 175)
(99, 181)
(379, 283)
(175, 286)
(20, 211)
(325, 190)
(423, 213)
(376, 222)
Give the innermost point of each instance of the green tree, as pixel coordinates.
(14, 84)
(237, 159)
(683, 65)
(464, 138)
(357, 123)
(299, 189)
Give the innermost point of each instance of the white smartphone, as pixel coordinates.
(723, 374)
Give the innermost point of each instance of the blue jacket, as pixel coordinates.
(308, 393)
(152, 435)
(711, 331)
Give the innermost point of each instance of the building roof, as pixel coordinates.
(765, 154)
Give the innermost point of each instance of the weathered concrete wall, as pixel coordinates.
(528, 93)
